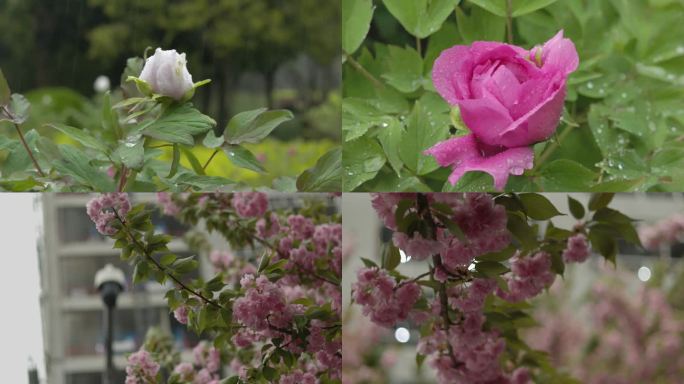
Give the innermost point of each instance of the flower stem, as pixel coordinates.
(418, 47)
(509, 21)
(359, 68)
(551, 148)
(204, 167)
(122, 179)
(23, 142)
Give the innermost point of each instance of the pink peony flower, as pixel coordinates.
(510, 98)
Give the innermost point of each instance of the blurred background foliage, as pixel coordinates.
(275, 53)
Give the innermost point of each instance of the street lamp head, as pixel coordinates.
(110, 281)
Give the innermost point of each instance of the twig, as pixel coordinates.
(424, 212)
(161, 268)
(204, 167)
(359, 68)
(122, 179)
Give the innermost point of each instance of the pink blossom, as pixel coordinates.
(181, 314)
(509, 98)
(221, 260)
(416, 245)
(250, 204)
(577, 249)
(385, 301)
(185, 371)
(529, 276)
(268, 227)
(103, 211)
(300, 227)
(141, 368)
(298, 377)
(169, 206)
(263, 305)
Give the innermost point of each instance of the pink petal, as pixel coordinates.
(486, 118)
(451, 72)
(538, 124)
(559, 54)
(465, 154)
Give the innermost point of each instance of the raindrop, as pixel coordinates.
(384, 125)
(590, 85)
(680, 49)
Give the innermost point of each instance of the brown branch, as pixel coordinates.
(160, 267)
(425, 213)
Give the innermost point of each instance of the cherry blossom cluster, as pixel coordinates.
(266, 309)
(141, 368)
(169, 207)
(664, 232)
(103, 210)
(577, 249)
(383, 300)
(481, 220)
(529, 277)
(461, 347)
(637, 331)
(250, 204)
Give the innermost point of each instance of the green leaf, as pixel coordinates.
(604, 242)
(480, 25)
(77, 165)
(526, 235)
(362, 159)
(253, 126)
(523, 7)
(421, 18)
(211, 141)
(184, 265)
(110, 119)
(519, 7)
(565, 175)
(175, 162)
(141, 272)
(392, 258)
(600, 200)
(81, 136)
(356, 19)
(368, 263)
(178, 124)
(5, 92)
(194, 163)
(538, 207)
(132, 152)
(473, 181)
(404, 69)
(424, 129)
(325, 176)
(576, 208)
(502, 255)
(243, 158)
(203, 182)
(18, 108)
(23, 185)
(167, 259)
(390, 139)
(491, 268)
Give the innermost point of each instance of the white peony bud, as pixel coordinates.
(167, 74)
(102, 84)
